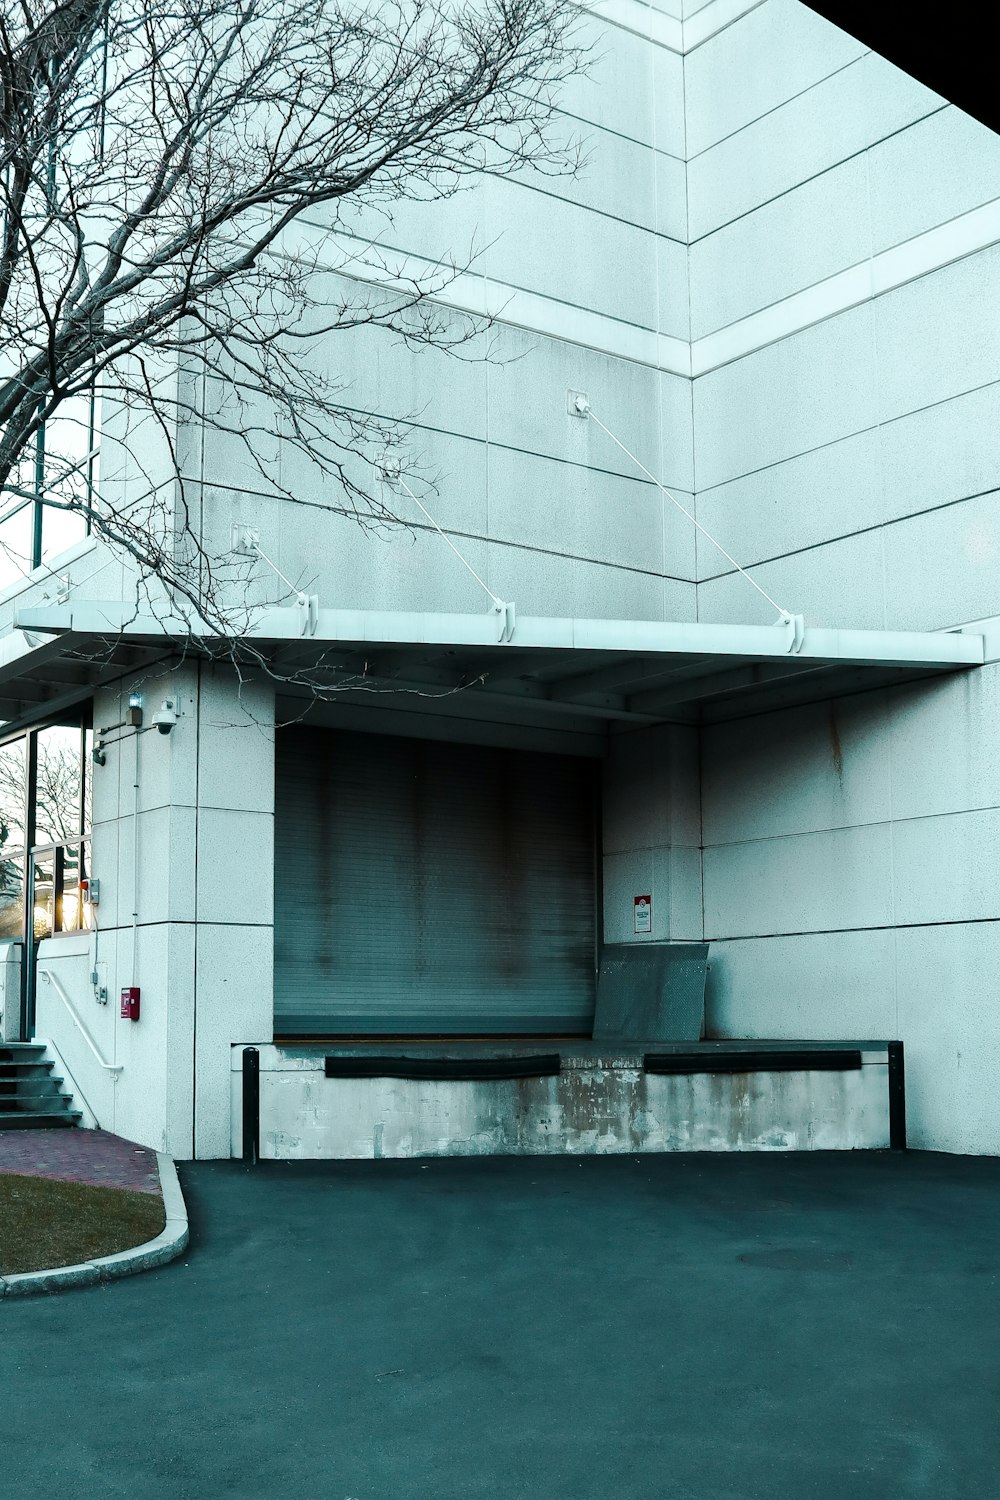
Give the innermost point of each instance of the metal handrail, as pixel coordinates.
(51, 979)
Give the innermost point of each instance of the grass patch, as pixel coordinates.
(45, 1224)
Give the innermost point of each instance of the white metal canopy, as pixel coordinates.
(619, 671)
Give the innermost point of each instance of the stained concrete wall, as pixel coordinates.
(596, 1105)
(844, 282)
(652, 834)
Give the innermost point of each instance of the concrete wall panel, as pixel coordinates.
(377, 373)
(669, 125)
(574, 509)
(676, 466)
(945, 868)
(651, 833)
(401, 570)
(603, 264)
(773, 53)
(235, 1004)
(940, 736)
(617, 93)
(964, 543)
(67, 961)
(809, 882)
(243, 780)
(614, 594)
(540, 584)
(680, 870)
(627, 875)
(615, 178)
(812, 769)
(812, 232)
(939, 336)
(651, 793)
(786, 399)
(948, 1020)
(863, 103)
(940, 454)
(528, 406)
(671, 197)
(821, 986)
(918, 462)
(938, 168)
(840, 585)
(235, 866)
(796, 503)
(451, 228)
(930, 986)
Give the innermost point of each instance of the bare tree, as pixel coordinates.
(183, 183)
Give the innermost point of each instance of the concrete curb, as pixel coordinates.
(167, 1245)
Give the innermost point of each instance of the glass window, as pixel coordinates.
(60, 529)
(43, 894)
(61, 822)
(69, 472)
(12, 840)
(63, 466)
(59, 785)
(73, 912)
(88, 780)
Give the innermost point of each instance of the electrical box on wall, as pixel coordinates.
(130, 1003)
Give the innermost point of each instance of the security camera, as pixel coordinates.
(165, 717)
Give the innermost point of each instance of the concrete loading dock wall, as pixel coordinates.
(601, 1102)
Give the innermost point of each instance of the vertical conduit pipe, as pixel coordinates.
(135, 860)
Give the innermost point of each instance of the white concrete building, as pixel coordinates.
(776, 285)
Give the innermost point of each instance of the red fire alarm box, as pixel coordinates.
(130, 1003)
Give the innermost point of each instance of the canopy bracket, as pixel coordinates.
(795, 625)
(506, 620)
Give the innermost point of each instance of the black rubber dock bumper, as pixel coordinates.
(463, 1069)
(827, 1060)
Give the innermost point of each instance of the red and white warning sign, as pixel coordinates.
(642, 913)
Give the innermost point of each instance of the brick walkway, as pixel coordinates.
(93, 1156)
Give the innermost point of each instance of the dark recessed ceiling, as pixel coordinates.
(950, 50)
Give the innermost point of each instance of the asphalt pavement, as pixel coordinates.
(601, 1328)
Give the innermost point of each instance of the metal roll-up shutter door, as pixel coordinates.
(425, 887)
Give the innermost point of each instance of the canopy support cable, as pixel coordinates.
(794, 623)
(390, 474)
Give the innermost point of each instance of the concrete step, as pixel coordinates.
(32, 1095)
(33, 1104)
(44, 1083)
(32, 1121)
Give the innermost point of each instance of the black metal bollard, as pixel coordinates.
(897, 1098)
(251, 1105)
